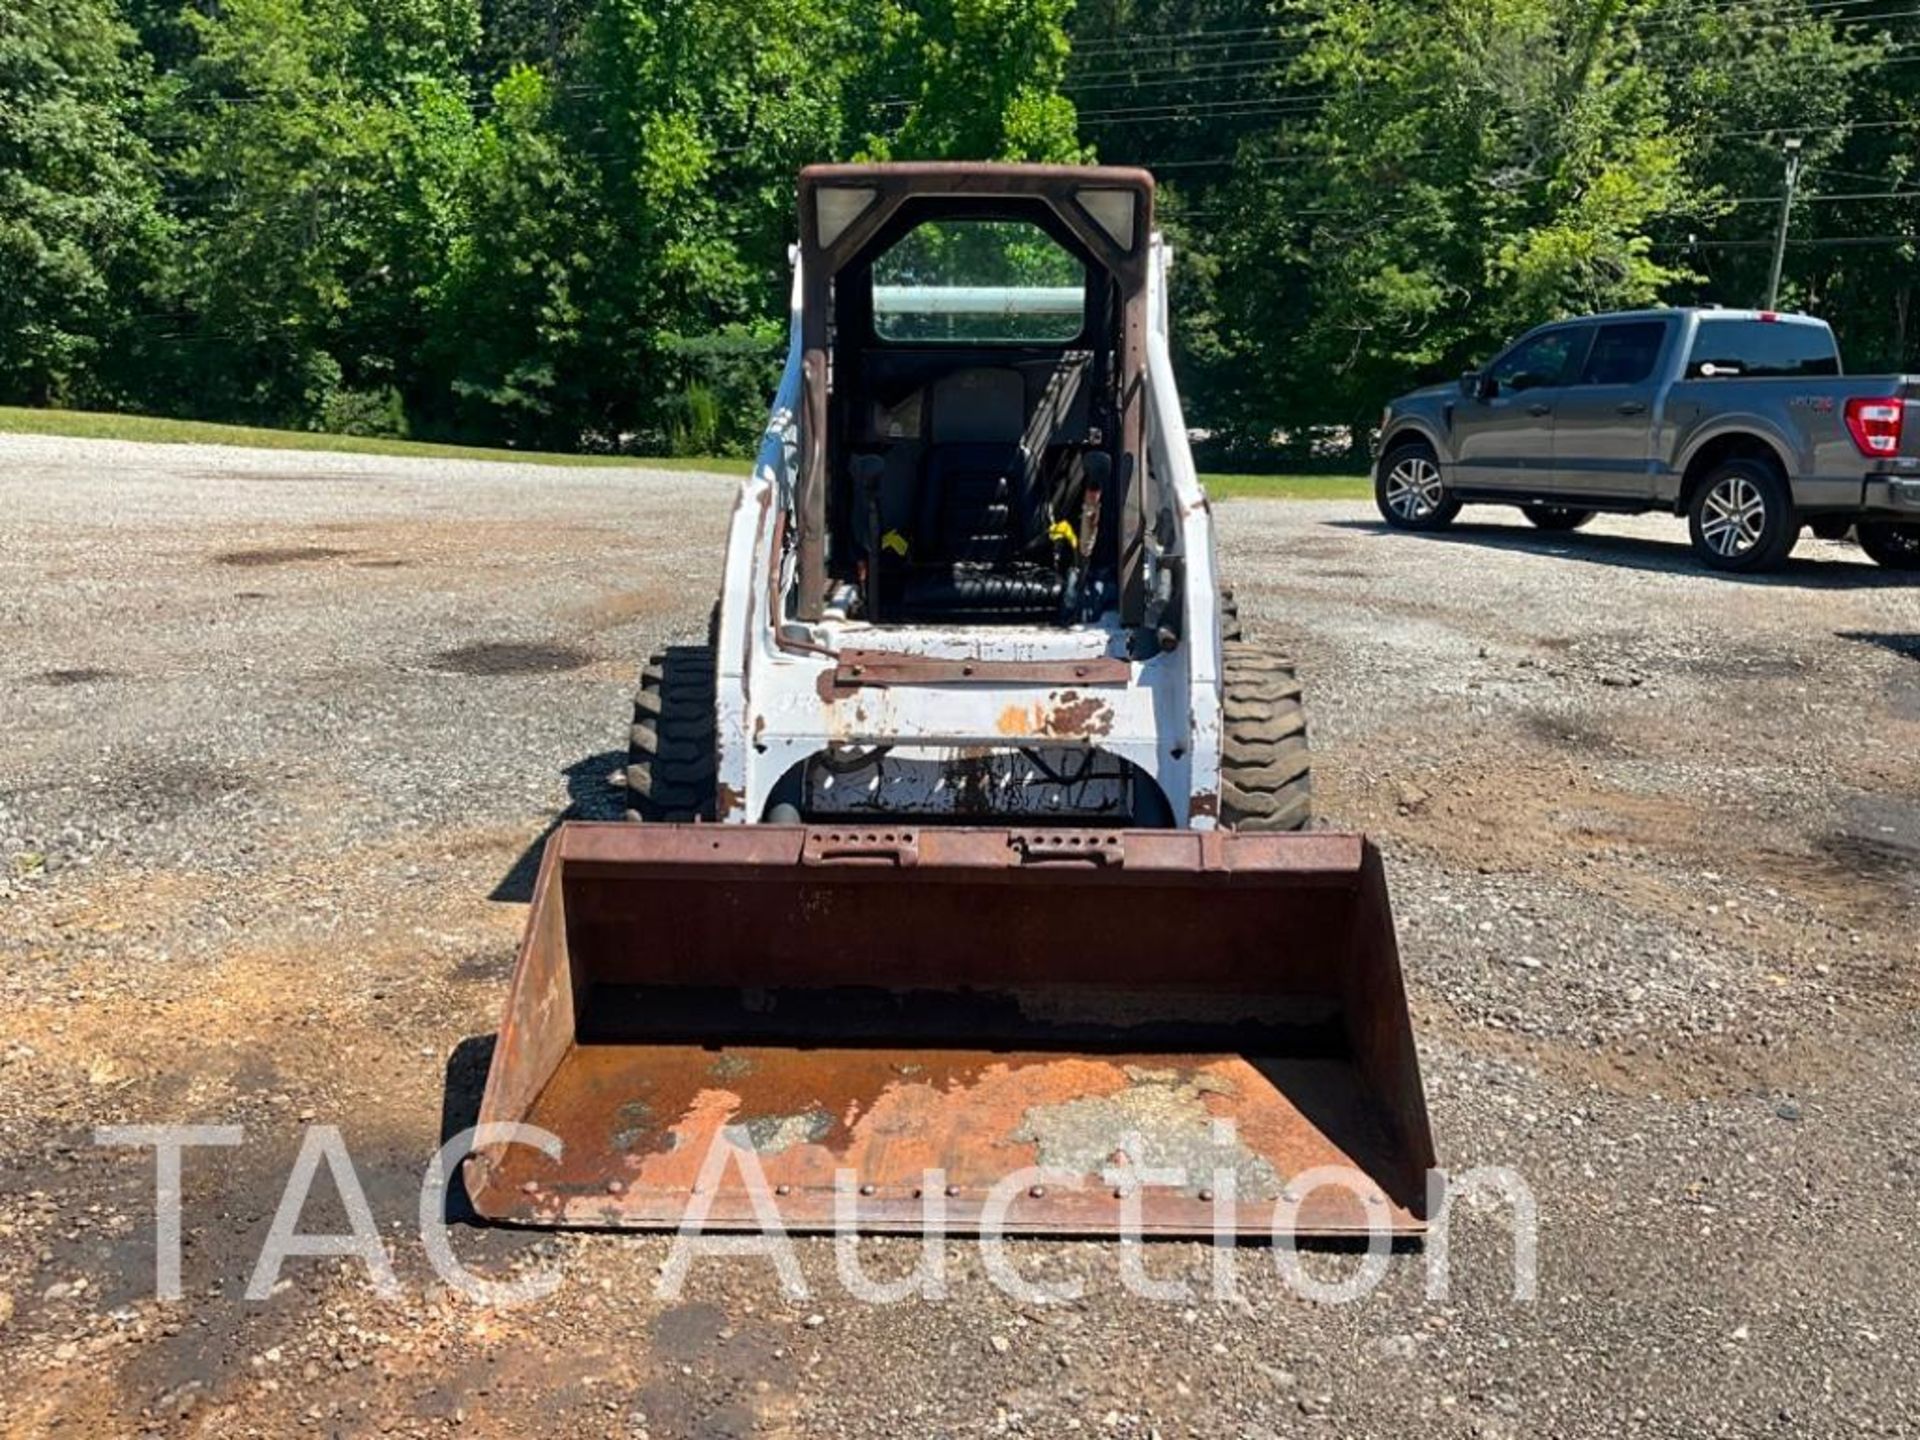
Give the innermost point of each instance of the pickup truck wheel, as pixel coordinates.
(1742, 519)
(1894, 545)
(1408, 490)
(1556, 517)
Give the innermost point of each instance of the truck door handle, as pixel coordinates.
(1631, 407)
(1539, 409)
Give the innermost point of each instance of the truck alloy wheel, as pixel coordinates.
(1733, 516)
(1413, 488)
(1742, 517)
(1408, 490)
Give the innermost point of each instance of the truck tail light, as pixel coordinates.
(1875, 424)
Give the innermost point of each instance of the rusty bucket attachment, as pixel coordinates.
(1037, 1030)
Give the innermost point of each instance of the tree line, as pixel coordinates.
(563, 224)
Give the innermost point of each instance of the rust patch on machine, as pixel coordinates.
(1018, 720)
(886, 667)
(1065, 716)
(1075, 714)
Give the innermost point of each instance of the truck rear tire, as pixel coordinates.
(1556, 517)
(1408, 490)
(671, 758)
(1266, 772)
(1892, 544)
(1741, 517)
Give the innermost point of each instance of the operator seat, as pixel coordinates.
(980, 516)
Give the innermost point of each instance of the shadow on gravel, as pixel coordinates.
(1894, 642)
(486, 658)
(1633, 553)
(466, 1080)
(590, 796)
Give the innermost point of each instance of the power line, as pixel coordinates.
(1857, 197)
(1831, 241)
(1174, 110)
(1672, 15)
(1136, 38)
(1765, 12)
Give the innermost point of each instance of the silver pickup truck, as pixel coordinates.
(1740, 420)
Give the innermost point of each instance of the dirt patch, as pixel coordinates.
(382, 564)
(492, 966)
(1574, 733)
(1871, 857)
(85, 675)
(282, 477)
(173, 787)
(1696, 1068)
(1879, 842)
(278, 555)
(1904, 701)
(624, 606)
(505, 657)
(1752, 666)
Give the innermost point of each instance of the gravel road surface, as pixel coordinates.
(283, 734)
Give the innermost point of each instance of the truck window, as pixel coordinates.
(1624, 353)
(1757, 349)
(1537, 362)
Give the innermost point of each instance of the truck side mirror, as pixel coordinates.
(1477, 385)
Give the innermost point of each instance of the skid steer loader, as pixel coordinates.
(970, 846)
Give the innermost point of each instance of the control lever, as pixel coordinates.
(1097, 467)
(867, 470)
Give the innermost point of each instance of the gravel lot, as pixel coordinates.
(282, 732)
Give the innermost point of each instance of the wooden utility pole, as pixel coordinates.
(1791, 145)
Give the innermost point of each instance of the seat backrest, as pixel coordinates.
(977, 495)
(980, 405)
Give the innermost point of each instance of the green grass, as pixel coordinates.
(96, 425)
(1288, 487)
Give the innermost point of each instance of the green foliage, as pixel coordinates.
(80, 231)
(982, 80)
(718, 403)
(1373, 193)
(364, 413)
(562, 225)
(1477, 166)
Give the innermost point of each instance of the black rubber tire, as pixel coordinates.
(1556, 517)
(671, 756)
(1230, 627)
(1438, 518)
(1891, 543)
(1779, 526)
(1266, 771)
